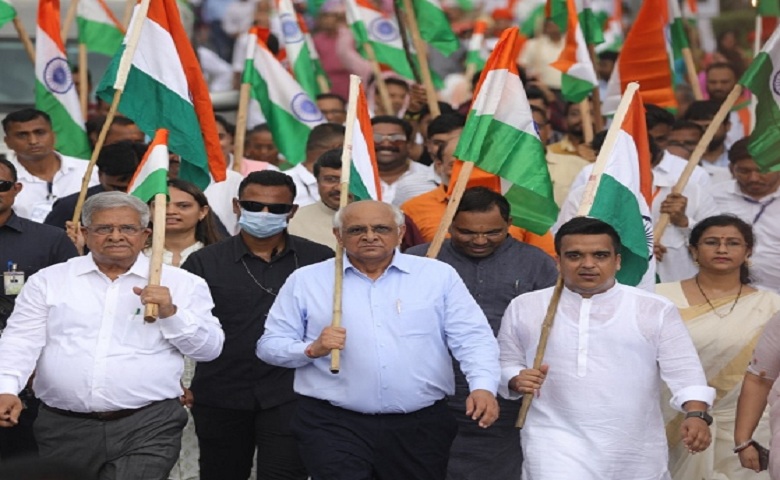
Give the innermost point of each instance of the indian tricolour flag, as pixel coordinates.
(435, 27)
(477, 53)
(762, 79)
(55, 92)
(164, 87)
(579, 76)
(289, 111)
(7, 12)
(624, 191)
(653, 72)
(370, 25)
(364, 172)
(297, 47)
(99, 29)
(151, 176)
(678, 40)
(500, 138)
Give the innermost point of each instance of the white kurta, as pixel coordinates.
(598, 415)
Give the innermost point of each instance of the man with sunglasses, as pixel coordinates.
(25, 248)
(109, 382)
(46, 174)
(242, 404)
(384, 414)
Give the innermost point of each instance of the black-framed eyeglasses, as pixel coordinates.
(277, 208)
(126, 230)
(6, 185)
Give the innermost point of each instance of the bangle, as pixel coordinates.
(744, 445)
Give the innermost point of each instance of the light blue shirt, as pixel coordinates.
(399, 328)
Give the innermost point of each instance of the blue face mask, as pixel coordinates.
(262, 224)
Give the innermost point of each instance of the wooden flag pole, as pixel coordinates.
(346, 162)
(598, 118)
(585, 206)
(243, 107)
(587, 120)
(606, 150)
(547, 324)
(68, 21)
(121, 79)
(693, 77)
(698, 152)
(83, 80)
(422, 56)
(452, 206)
(381, 86)
(24, 37)
(128, 13)
(322, 82)
(151, 310)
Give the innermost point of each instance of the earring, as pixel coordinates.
(748, 262)
(696, 261)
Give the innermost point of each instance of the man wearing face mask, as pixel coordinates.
(243, 404)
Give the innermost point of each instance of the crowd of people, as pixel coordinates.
(236, 378)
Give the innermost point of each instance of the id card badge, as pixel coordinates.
(13, 282)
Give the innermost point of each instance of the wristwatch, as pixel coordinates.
(700, 414)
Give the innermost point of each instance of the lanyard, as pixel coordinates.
(762, 209)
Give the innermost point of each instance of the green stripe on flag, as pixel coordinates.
(768, 8)
(356, 186)
(7, 12)
(515, 156)
(156, 182)
(591, 27)
(765, 139)
(171, 112)
(435, 27)
(617, 206)
(99, 37)
(575, 89)
(71, 137)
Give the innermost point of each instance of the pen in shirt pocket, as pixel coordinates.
(398, 306)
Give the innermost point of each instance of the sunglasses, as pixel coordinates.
(6, 185)
(277, 208)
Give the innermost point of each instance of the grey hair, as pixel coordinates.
(107, 200)
(398, 216)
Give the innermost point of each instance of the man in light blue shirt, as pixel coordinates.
(384, 414)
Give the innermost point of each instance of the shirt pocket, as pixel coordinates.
(416, 319)
(140, 335)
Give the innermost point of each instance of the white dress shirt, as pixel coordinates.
(86, 338)
(598, 413)
(35, 200)
(764, 215)
(420, 172)
(305, 185)
(408, 187)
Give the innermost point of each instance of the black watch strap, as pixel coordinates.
(700, 414)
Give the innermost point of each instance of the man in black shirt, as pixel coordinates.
(240, 401)
(25, 248)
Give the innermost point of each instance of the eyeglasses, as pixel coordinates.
(277, 208)
(715, 243)
(359, 230)
(687, 145)
(6, 185)
(394, 138)
(329, 180)
(127, 230)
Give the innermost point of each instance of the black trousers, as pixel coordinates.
(19, 440)
(339, 444)
(227, 440)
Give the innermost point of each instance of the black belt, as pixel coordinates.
(102, 416)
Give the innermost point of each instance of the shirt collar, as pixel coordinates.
(24, 174)
(14, 222)
(240, 249)
(400, 262)
(86, 264)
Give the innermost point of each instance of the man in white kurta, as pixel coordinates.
(597, 412)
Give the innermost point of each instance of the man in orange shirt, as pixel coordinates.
(427, 210)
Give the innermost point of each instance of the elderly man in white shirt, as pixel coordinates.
(597, 411)
(752, 196)
(45, 173)
(108, 381)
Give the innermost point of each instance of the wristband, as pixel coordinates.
(743, 446)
